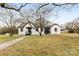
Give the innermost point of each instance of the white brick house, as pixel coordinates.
(25, 29)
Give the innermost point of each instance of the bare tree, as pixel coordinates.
(7, 18)
(41, 20)
(69, 27)
(73, 26)
(76, 25)
(40, 23)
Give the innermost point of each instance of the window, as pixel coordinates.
(21, 29)
(47, 30)
(55, 29)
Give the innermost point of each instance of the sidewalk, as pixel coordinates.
(9, 43)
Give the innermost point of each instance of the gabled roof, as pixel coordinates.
(22, 24)
(50, 25)
(25, 23)
(56, 24)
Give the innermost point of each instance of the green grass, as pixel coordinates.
(47, 45)
(4, 38)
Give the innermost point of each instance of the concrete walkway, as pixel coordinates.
(9, 43)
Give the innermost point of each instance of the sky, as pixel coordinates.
(63, 16)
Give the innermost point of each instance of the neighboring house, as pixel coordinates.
(26, 28)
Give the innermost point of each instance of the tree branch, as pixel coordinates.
(6, 7)
(42, 6)
(54, 4)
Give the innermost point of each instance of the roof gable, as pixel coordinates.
(56, 24)
(51, 25)
(25, 23)
(22, 24)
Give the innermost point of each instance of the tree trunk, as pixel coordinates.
(40, 32)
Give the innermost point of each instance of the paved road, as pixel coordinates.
(9, 43)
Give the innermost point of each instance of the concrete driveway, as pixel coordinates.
(9, 43)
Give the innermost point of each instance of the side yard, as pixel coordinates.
(50, 45)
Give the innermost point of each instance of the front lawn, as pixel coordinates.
(5, 38)
(50, 45)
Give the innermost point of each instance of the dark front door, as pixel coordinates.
(29, 31)
(47, 30)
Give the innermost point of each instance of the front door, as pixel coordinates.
(29, 32)
(47, 30)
